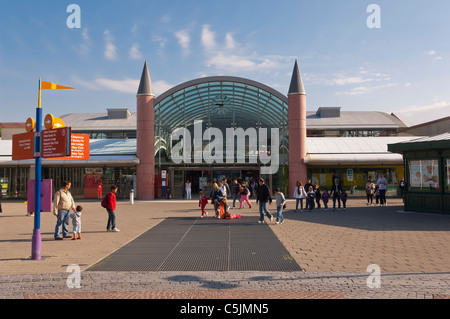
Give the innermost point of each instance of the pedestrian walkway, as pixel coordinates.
(202, 244)
(333, 251)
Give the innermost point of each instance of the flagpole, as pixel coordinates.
(37, 239)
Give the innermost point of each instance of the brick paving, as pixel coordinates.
(333, 248)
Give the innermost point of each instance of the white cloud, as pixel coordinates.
(231, 44)
(135, 54)
(433, 53)
(348, 80)
(85, 47)
(232, 57)
(184, 40)
(208, 38)
(360, 90)
(421, 114)
(126, 85)
(166, 18)
(110, 52)
(357, 82)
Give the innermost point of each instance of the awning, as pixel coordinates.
(94, 161)
(353, 159)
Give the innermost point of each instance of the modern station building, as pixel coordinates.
(136, 150)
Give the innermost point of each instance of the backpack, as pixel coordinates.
(104, 202)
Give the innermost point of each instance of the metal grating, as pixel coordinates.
(202, 244)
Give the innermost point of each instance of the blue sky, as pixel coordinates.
(402, 67)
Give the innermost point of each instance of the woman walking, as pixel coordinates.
(299, 195)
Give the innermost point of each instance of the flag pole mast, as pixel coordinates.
(37, 239)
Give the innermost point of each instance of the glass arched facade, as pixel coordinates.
(220, 103)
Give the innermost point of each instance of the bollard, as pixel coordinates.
(132, 197)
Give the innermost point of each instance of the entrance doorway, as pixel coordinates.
(203, 180)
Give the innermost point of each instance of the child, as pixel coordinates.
(109, 202)
(377, 194)
(245, 193)
(317, 192)
(76, 222)
(344, 198)
(202, 203)
(231, 216)
(281, 201)
(325, 197)
(311, 197)
(222, 208)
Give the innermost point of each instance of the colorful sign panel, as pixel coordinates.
(23, 146)
(79, 148)
(55, 143)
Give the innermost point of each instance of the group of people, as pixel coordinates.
(377, 189)
(219, 195)
(313, 196)
(242, 192)
(64, 209)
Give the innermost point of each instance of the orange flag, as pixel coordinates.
(52, 86)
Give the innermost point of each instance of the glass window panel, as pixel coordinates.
(424, 175)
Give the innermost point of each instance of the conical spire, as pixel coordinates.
(296, 86)
(145, 86)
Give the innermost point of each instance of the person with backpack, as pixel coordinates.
(109, 202)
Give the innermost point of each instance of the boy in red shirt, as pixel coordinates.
(110, 200)
(202, 203)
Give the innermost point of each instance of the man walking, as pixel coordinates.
(382, 182)
(62, 205)
(336, 192)
(236, 192)
(263, 196)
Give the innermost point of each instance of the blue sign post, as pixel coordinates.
(36, 242)
(37, 239)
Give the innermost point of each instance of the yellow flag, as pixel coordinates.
(52, 86)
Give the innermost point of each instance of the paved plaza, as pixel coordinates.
(362, 252)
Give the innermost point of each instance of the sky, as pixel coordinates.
(394, 57)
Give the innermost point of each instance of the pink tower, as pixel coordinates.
(145, 172)
(297, 130)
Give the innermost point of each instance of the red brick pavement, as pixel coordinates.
(195, 294)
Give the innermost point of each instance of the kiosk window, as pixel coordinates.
(424, 175)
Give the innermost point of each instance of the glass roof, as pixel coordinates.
(220, 102)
